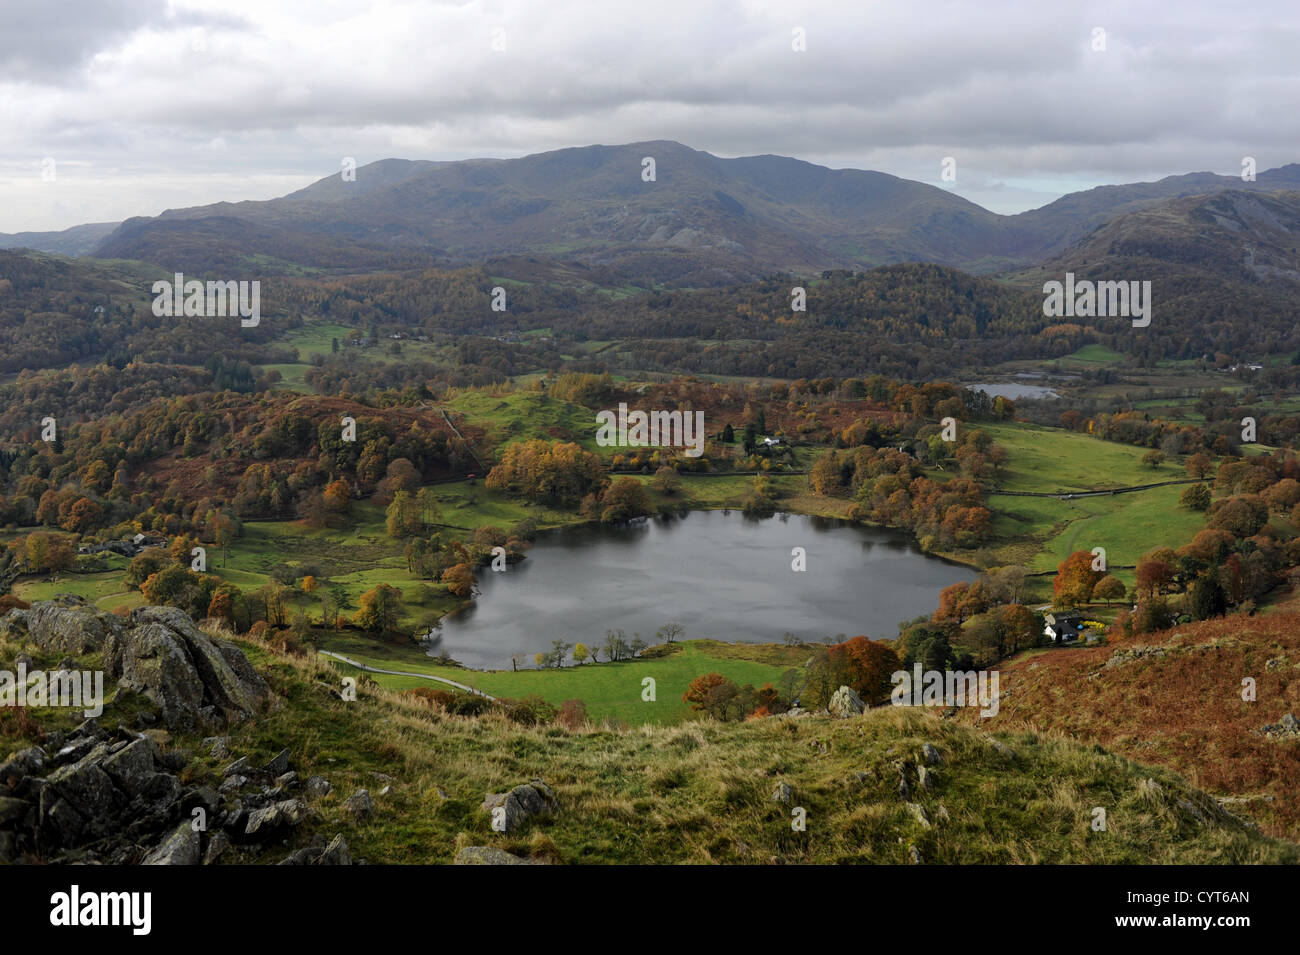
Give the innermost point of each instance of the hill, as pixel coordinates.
(1174, 699)
(893, 786)
(702, 221)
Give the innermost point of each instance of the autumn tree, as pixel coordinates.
(1109, 588)
(1075, 579)
(379, 609)
(460, 580)
(1195, 498)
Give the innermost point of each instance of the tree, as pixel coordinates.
(84, 515)
(667, 481)
(380, 607)
(616, 647)
(580, 653)
(1153, 459)
(402, 518)
(1207, 598)
(1075, 579)
(825, 473)
(864, 665)
(669, 632)
(308, 584)
(1019, 627)
(1198, 465)
(460, 580)
(559, 650)
(225, 529)
(430, 509)
(710, 693)
(1242, 515)
(1153, 575)
(1109, 588)
(1195, 498)
(624, 499)
(728, 434)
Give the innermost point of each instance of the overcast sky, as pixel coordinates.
(145, 105)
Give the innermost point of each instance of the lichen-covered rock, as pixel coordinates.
(845, 703)
(68, 625)
(164, 656)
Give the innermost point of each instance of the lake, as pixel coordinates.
(1015, 392)
(719, 574)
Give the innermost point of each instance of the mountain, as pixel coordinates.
(1052, 228)
(79, 240)
(703, 221)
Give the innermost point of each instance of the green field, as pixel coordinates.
(1040, 532)
(611, 691)
(523, 415)
(1095, 355)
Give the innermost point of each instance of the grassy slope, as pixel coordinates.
(701, 793)
(1182, 709)
(1041, 532)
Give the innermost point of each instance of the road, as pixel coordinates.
(422, 676)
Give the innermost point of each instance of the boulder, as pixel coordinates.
(317, 786)
(181, 847)
(68, 625)
(336, 853)
(522, 802)
(783, 793)
(930, 754)
(486, 855)
(268, 821)
(158, 652)
(360, 805)
(168, 659)
(845, 703)
(279, 765)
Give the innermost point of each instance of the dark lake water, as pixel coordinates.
(719, 574)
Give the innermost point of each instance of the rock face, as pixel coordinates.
(194, 680)
(522, 802)
(97, 796)
(845, 703)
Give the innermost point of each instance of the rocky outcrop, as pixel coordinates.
(1288, 727)
(195, 680)
(97, 796)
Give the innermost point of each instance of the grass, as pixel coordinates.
(1040, 532)
(611, 691)
(702, 792)
(522, 415)
(1095, 354)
